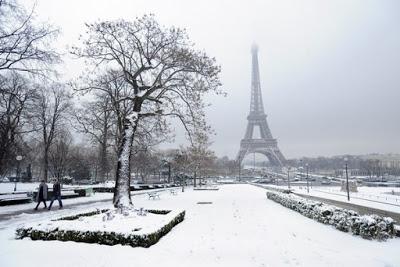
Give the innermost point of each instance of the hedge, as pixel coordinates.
(367, 226)
(101, 237)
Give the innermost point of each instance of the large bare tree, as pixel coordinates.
(24, 48)
(52, 106)
(163, 75)
(16, 94)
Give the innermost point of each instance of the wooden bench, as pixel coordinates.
(153, 195)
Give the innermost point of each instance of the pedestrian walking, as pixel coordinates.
(56, 194)
(42, 194)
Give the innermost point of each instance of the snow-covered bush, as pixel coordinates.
(366, 226)
(105, 237)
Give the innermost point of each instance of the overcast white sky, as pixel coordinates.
(330, 70)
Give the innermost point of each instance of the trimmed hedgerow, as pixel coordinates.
(367, 226)
(100, 237)
(161, 212)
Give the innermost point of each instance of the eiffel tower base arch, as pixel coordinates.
(272, 153)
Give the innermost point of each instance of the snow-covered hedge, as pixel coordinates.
(101, 237)
(366, 226)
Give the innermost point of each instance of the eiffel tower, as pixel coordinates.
(266, 144)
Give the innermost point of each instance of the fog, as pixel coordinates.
(329, 70)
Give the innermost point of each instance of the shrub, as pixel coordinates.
(367, 226)
(101, 237)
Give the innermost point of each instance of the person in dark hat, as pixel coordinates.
(56, 194)
(42, 194)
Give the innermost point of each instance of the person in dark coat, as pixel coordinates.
(42, 194)
(56, 194)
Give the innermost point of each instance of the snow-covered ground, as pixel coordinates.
(240, 228)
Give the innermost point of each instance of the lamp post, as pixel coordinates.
(308, 189)
(288, 177)
(18, 158)
(347, 179)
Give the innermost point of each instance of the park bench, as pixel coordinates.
(12, 200)
(153, 195)
(173, 192)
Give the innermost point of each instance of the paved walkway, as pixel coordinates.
(84, 201)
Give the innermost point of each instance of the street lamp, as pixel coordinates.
(18, 158)
(347, 179)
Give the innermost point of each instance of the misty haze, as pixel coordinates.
(199, 133)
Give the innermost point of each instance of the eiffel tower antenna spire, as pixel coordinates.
(256, 103)
(266, 144)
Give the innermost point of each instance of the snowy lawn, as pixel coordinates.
(373, 197)
(240, 228)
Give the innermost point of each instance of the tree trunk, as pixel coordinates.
(103, 162)
(103, 149)
(45, 164)
(122, 195)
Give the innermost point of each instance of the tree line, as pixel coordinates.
(138, 75)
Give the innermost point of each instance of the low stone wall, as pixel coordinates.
(366, 226)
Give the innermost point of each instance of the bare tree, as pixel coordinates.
(80, 162)
(162, 73)
(94, 119)
(102, 119)
(16, 94)
(59, 154)
(200, 154)
(52, 107)
(24, 44)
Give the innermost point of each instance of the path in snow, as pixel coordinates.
(240, 228)
(11, 211)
